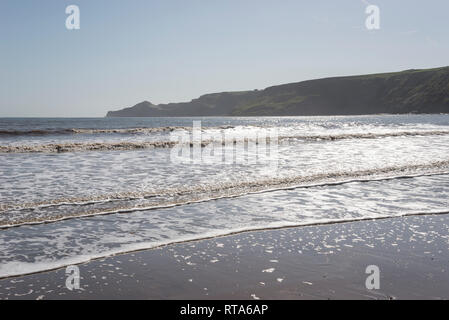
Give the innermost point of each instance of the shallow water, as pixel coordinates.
(72, 206)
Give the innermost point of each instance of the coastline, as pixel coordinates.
(310, 262)
(283, 116)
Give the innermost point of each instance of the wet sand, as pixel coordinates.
(313, 262)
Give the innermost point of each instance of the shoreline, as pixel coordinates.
(283, 116)
(212, 117)
(295, 263)
(224, 235)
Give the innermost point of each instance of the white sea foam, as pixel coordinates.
(62, 209)
(130, 145)
(331, 169)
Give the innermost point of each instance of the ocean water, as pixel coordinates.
(72, 190)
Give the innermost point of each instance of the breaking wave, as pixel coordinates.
(129, 146)
(72, 131)
(17, 268)
(126, 202)
(86, 131)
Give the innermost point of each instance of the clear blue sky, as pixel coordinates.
(175, 50)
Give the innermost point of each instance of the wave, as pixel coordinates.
(44, 132)
(12, 215)
(370, 135)
(15, 269)
(130, 130)
(129, 146)
(85, 131)
(35, 132)
(72, 131)
(84, 146)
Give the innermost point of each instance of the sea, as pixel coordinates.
(77, 189)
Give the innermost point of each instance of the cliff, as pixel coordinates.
(410, 91)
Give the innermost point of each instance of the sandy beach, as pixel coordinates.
(313, 262)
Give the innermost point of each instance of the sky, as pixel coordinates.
(165, 51)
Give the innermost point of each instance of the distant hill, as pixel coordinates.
(410, 91)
